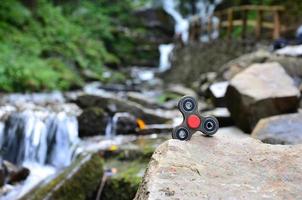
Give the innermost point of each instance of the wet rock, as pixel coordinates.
(203, 168)
(260, 91)
(2, 175)
(217, 93)
(115, 104)
(156, 18)
(281, 129)
(15, 174)
(126, 166)
(126, 124)
(11, 174)
(92, 121)
(223, 116)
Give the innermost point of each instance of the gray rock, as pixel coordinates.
(292, 65)
(222, 167)
(156, 129)
(78, 181)
(142, 100)
(2, 175)
(181, 90)
(13, 174)
(115, 104)
(260, 91)
(217, 93)
(126, 124)
(92, 121)
(281, 129)
(223, 116)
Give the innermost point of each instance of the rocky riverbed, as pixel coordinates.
(100, 139)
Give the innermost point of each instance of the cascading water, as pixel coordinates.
(42, 136)
(165, 51)
(204, 9)
(111, 129)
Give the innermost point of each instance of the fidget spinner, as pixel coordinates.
(193, 121)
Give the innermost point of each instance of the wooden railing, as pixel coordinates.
(228, 21)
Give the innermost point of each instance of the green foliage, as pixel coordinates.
(52, 46)
(124, 184)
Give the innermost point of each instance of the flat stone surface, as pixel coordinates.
(261, 81)
(222, 167)
(281, 129)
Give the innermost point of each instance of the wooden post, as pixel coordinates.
(277, 25)
(244, 23)
(258, 28)
(230, 23)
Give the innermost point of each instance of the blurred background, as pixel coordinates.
(89, 88)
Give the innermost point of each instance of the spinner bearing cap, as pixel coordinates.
(193, 121)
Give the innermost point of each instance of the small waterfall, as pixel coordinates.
(181, 23)
(111, 129)
(41, 137)
(39, 132)
(165, 51)
(205, 9)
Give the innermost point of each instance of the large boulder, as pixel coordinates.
(281, 129)
(260, 91)
(222, 167)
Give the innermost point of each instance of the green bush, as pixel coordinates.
(50, 47)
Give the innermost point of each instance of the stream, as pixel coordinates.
(40, 130)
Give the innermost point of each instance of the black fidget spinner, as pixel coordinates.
(193, 121)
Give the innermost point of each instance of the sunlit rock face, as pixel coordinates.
(222, 167)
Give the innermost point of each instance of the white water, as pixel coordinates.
(181, 23)
(111, 129)
(41, 137)
(165, 51)
(205, 9)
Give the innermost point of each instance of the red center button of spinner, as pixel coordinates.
(193, 121)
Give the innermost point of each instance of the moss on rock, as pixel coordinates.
(77, 182)
(124, 184)
(87, 121)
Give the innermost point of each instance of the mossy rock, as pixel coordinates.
(124, 184)
(87, 121)
(77, 182)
